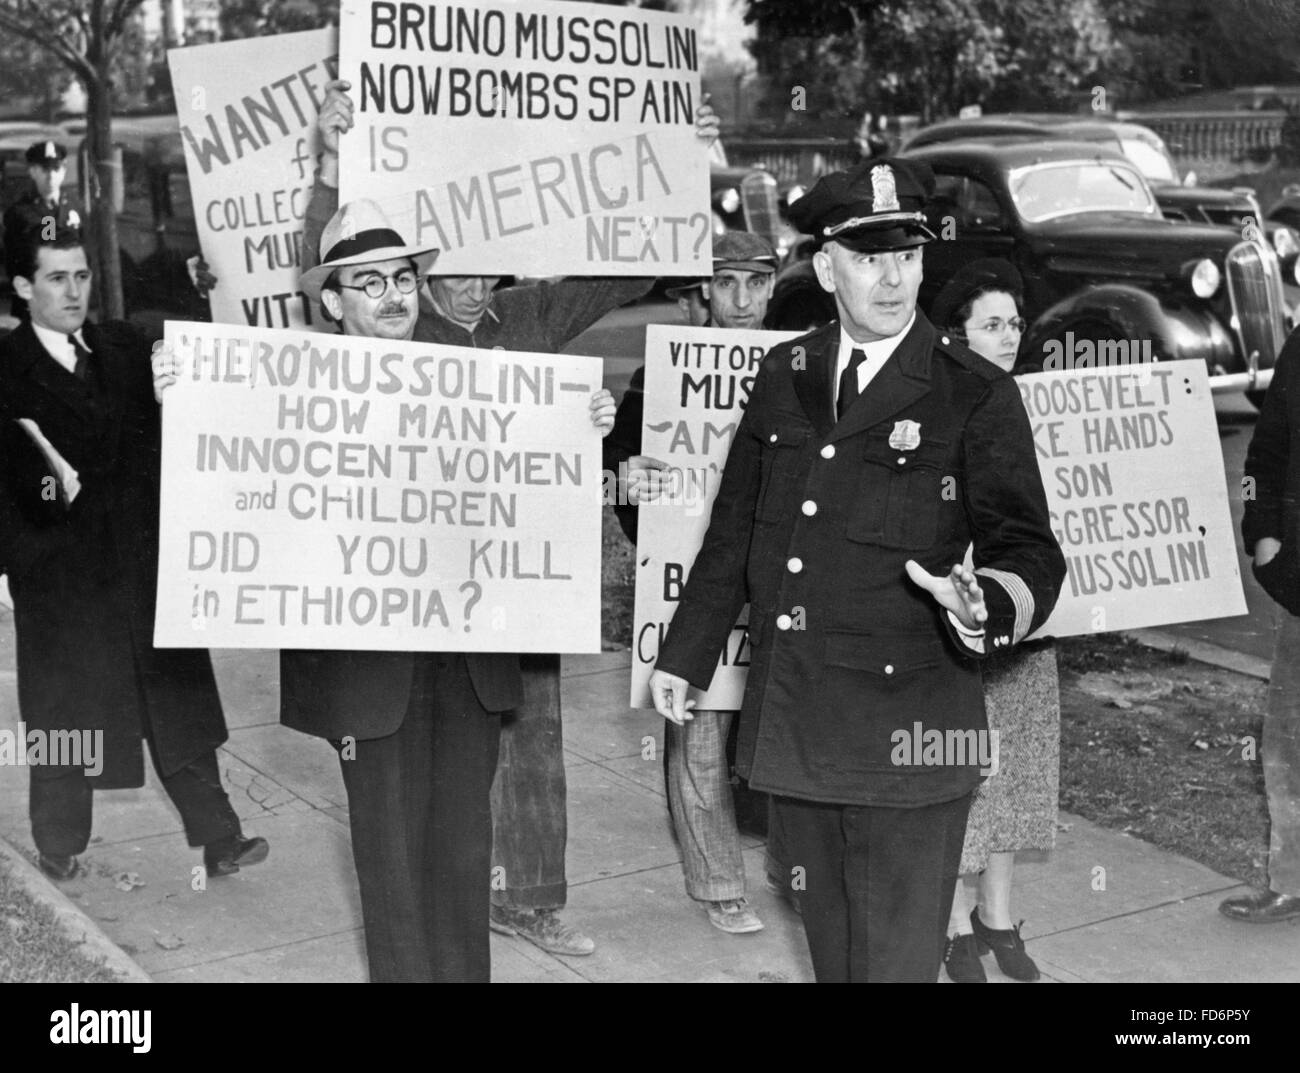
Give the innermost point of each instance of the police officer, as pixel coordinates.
(872, 452)
(47, 208)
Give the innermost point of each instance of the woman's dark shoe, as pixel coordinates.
(961, 960)
(59, 867)
(1007, 947)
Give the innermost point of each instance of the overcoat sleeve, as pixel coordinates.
(715, 591)
(1266, 507)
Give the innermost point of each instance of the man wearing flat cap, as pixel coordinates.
(872, 452)
(48, 209)
(696, 769)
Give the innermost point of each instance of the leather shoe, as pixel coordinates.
(961, 960)
(59, 867)
(225, 856)
(1007, 947)
(1261, 907)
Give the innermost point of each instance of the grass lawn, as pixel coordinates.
(34, 949)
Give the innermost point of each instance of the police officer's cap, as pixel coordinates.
(745, 251)
(47, 154)
(876, 205)
(988, 273)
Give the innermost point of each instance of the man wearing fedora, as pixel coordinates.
(871, 453)
(696, 771)
(46, 209)
(529, 794)
(416, 732)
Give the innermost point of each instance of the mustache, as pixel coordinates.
(391, 308)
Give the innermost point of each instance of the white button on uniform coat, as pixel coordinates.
(795, 565)
(828, 451)
(809, 507)
(784, 622)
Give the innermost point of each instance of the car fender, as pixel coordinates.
(1176, 331)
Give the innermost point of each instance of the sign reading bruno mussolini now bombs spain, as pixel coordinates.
(247, 111)
(530, 137)
(697, 381)
(324, 491)
(1133, 471)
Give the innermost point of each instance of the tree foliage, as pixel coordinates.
(931, 57)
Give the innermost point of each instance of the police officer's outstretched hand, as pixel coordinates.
(669, 694)
(957, 591)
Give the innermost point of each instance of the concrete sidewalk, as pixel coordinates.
(1104, 907)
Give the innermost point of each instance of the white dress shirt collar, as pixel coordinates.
(57, 346)
(877, 352)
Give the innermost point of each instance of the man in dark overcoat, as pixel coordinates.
(873, 452)
(79, 478)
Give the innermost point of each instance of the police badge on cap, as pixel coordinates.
(877, 205)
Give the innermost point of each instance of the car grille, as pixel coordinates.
(1255, 289)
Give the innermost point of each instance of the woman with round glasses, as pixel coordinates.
(1014, 808)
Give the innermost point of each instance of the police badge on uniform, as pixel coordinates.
(906, 436)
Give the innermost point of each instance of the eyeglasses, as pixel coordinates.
(995, 325)
(377, 286)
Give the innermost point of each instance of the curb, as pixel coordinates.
(71, 919)
(1204, 652)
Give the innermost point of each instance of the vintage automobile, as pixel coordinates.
(1185, 201)
(1101, 264)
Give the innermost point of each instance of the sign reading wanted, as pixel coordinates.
(247, 111)
(1133, 471)
(530, 137)
(697, 381)
(323, 491)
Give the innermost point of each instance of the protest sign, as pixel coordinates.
(530, 137)
(1133, 471)
(332, 492)
(247, 111)
(697, 381)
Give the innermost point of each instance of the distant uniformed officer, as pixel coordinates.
(48, 208)
(872, 452)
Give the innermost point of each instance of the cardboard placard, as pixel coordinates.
(333, 492)
(247, 111)
(530, 137)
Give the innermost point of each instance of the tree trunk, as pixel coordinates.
(99, 138)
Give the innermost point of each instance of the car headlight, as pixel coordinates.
(1286, 243)
(1205, 278)
(729, 200)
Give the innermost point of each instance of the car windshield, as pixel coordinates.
(1151, 161)
(1044, 191)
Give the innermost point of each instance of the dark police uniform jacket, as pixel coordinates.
(813, 523)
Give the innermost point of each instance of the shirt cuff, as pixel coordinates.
(972, 639)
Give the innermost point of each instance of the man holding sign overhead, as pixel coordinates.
(529, 812)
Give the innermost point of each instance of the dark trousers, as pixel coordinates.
(422, 830)
(879, 886)
(61, 805)
(529, 806)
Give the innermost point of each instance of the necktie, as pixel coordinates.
(849, 384)
(83, 357)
